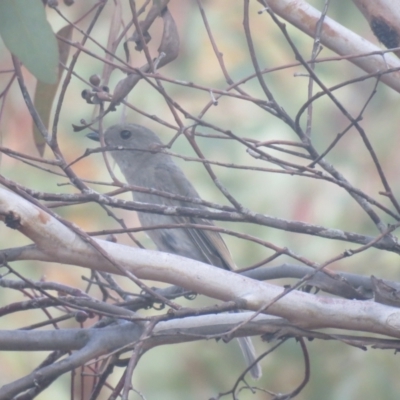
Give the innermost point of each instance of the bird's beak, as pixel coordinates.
(94, 136)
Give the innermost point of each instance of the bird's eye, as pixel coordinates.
(126, 134)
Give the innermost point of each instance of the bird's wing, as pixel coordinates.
(210, 243)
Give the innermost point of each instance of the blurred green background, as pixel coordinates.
(200, 370)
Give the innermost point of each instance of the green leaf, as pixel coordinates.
(28, 35)
(46, 92)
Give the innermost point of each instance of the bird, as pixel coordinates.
(136, 151)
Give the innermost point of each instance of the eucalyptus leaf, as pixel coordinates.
(46, 92)
(27, 34)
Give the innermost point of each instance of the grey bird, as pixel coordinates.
(142, 165)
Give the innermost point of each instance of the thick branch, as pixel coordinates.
(57, 243)
(339, 39)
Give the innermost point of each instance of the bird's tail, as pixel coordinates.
(249, 354)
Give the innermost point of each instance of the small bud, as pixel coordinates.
(52, 3)
(85, 94)
(81, 316)
(95, 80)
